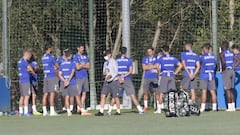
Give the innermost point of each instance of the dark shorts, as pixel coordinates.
(128, 87)
(150, 84)
(25, 89)
(70, 91)
(187, 84)
(34, 87)
(49, 85)
(167, 84)
(228, 77)
(82, 85)
(207, 85)
(111, 87)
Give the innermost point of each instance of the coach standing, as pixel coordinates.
(49, 82)
(24, 72)
(110, 71)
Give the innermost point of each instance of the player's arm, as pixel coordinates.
(129, 72)
(237, 61)
(30, 69)
(223, 62)
(197, 68)
(185, 67)
(87, 65)
(60, 76)
(179, 67)
(79, 66)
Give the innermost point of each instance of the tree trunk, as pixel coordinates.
(109, 29)
(117, 41)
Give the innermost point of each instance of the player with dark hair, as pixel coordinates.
(49, 82)
(168, 70)
(110, 71)
(83, 65)
(25, 71)
(227, 60)
(208, 63)
(150, 74)
(125, 69)
(34, 81)
(68, 81)
(191, 66)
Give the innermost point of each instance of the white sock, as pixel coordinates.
(229, 105)
(78, 108)
(145, 103)
(233, 105)
(68, 110)
(158, 104)
(162, 106)
(25, 109)
(203, 105)
(64, 109)
(118, 110)
(101, 110)
(82, 110)
(34, 108)
(20, 110)
(52, 110)
(214, 106)
(44, 109)
(71, 107)
(110, 109)
(139, 108)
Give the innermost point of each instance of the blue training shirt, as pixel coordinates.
(82, 73)
(237, 69)
(124, 64)
(66, 69)
(150, 74)
(229, 58)
(24, 75)
(48, 62)
(208, 64)
(60, 60)
(168, 64)
(34, 78)
(191, 58)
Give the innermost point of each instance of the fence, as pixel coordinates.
(65, 24)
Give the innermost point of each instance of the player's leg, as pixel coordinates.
(214, 100)
(20, 103)
(232, 89)
(34, 88)
(45, 96)
(226, 77)
(114, 88)
(26, 100)
(203, 87)
(51, 90)
(67, 104)
(104, 92)
(71, 98)
(85, 89)
(193, 87)
(130, 90)
(113, 101)
(163, 88)
(146, 85)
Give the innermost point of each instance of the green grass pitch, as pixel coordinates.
(129, 123)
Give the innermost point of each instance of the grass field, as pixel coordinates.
(129, 123)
